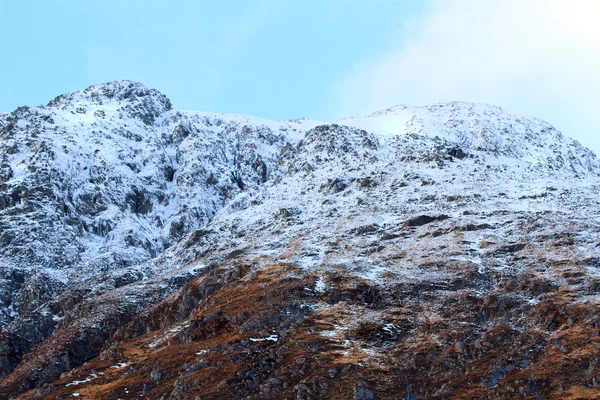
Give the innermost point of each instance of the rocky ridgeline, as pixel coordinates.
(170, 254)
(111, 176)
(490, 129)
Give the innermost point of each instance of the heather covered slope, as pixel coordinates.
(448, 251)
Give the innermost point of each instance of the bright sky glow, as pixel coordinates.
(319, 59)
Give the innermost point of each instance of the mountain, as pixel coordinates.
(444, 251)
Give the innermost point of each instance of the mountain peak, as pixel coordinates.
(124, 90)
(483, 127)
(133, 98)
(474, 107)
(134, 239)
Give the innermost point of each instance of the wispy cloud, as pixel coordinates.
(535, 57)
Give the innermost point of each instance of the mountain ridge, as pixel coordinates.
(116, 208)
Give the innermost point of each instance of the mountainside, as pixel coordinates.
(445, 251)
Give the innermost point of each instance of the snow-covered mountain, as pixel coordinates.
(111, 176)
(122, 218)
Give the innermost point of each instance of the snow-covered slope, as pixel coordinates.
(110, 176)
(111, 200)
(483, 127)
(344, 180)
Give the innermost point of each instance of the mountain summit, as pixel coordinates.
(443, 251)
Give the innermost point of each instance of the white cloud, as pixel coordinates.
(531, 57)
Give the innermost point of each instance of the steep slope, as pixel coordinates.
(110, 176)
(97, 182)
(484, 127)
(446, 251)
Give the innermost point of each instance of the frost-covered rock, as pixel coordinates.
(111, 201)
(111, 176)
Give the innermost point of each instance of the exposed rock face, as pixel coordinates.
(447, 251)
(108, 177)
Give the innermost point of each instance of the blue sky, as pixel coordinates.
(273, 58)
(322, 59)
